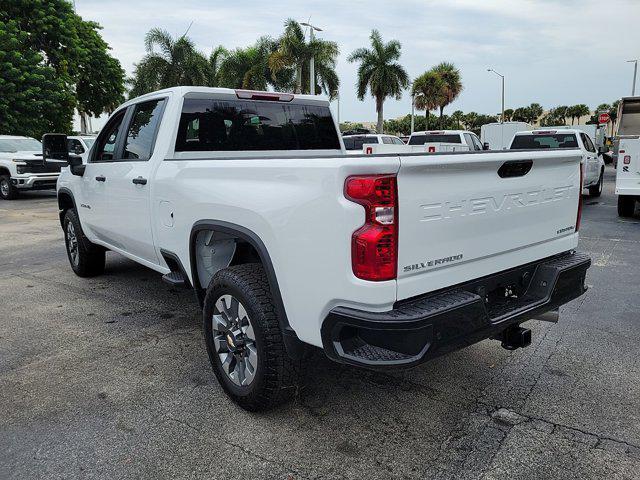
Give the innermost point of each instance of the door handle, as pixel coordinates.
(101, 178)
(139, 181)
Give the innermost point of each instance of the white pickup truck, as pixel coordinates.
(451, 140)
(381, 261)
(22, 167)
(545, 138)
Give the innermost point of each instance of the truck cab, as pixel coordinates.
(355, 143)
(592, 161)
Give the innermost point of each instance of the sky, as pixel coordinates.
(551, 51)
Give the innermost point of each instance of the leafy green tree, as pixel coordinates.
(379, 72)
(457, 117)
(54, 58)
(429, 91)
(294, 52)
(578, 111)
(520, 114)
(215, 61)
(534, 111)
(249, 67)
(33, 98)
(452, 81)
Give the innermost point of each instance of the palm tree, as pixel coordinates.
(452, 84)
(248, 67)
(379, 72)
(295, 53)
(215, 61)
(457, 117)
(175, 62)
(429, 92)
(578, 111)
(534, 111)
(508, 115)
(561, 113)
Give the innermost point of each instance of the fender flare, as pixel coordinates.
(294, 346)
(68, 192)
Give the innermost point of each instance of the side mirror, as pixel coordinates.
(54, 147)
(485, 146)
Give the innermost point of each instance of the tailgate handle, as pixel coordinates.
(515, 168)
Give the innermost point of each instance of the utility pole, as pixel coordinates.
(312, 67)
(635, 74)
(502, 77)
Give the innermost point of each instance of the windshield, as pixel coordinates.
(547, 140)
(421, 139)
(356, 142)
(19, 145)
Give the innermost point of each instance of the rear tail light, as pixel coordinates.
(432, 149)
(374, 246)
(579, 218)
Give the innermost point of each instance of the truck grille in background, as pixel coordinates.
(40, 167)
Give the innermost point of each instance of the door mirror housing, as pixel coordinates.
(485, 146)
(55, 150)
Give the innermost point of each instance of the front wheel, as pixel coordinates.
(7, 191)
(244, 339)
(86, 258)
(596, 190)
(626, 205)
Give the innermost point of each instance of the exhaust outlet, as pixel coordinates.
(550, 316)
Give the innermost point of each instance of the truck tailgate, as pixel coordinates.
(464, 216)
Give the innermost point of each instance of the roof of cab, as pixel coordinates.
(548, 130)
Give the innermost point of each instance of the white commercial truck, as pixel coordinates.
(382, 261)
(498, 136)
(627, 144)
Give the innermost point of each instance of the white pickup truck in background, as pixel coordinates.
(627, 144)
(451, 140)
(22, 167)
(290, 244)
(545, 138)
(356, 143)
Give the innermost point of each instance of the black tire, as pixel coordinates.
(275, 377)
(90, 258)
(626, 205)
(596, 190)
(7, 191)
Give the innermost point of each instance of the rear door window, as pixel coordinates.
(588, 144)
(246, 125)
(142, 130)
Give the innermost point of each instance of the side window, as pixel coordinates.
(74, 146)
(588, 144)
(142, 130)
(467, 138)
(476, 142)
(349, 143)
(387, 140)
(105, 150)
(397, 141)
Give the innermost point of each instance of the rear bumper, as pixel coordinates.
(36, 182)
(422, 328)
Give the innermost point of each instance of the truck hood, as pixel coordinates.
(22, 155)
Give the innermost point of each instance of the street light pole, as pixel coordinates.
(502, 77)
(312, 66)
(635, 74)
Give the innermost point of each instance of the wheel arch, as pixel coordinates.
(65, 202)
(292, 343)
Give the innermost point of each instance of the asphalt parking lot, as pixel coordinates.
(109, 378)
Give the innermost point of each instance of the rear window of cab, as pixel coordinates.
(245, 125)
(547, 140)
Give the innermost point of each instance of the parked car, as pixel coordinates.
(498, 136)
(290, 244)
(22, 167)
(627, 144)
(468, 140)
(80, 145)
(354, 143)
(592, 161)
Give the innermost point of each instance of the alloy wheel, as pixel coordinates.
(4, 187)
(234, 340)
(72, 243)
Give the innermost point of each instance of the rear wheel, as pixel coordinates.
(87, 259)
(596, 190)
(626, 205)
(244, 339)
(7, 191)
